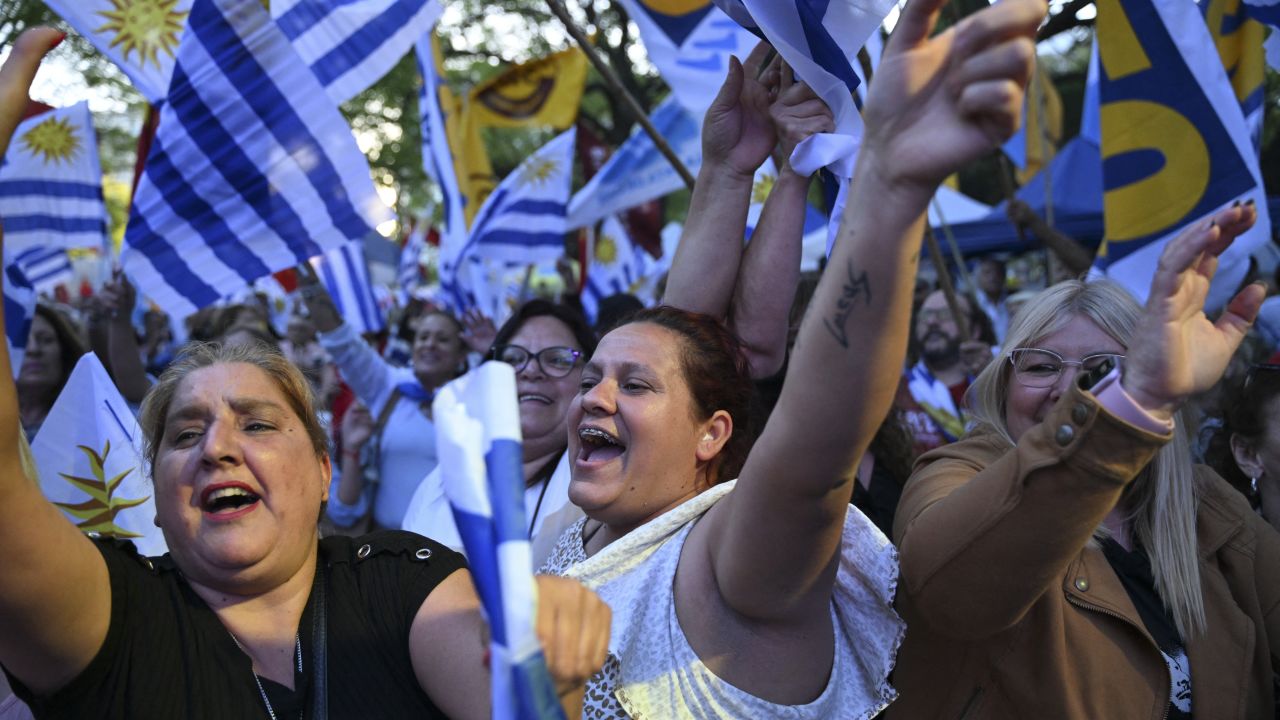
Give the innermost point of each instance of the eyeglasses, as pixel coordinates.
(1041, 368)
(554, 361)
(1256, 370)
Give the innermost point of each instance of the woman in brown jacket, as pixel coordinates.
(1066, 559)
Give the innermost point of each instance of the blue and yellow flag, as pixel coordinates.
(1175, 145)
(1239, 43)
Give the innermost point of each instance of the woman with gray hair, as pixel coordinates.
(1134, 584)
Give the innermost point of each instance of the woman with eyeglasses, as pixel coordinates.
(1066, 559)
(547, 344)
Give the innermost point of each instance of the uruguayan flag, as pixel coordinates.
(437, 156)
(615, 266)
(19, 309)
(478, 442)
(346, 276)
(409, 271)
(637, 172)
(89, 457)
(139, 36)
(521, 223)
(51, 183)
(820, 40)
(253, 169)
(1175, 145)
(350, 45)
(45, 267)
(690, 44)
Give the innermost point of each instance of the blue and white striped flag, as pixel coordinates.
(637, 172)
(45, 267)
(690, 44)
(90, 461)
(435, 102)
(253, 169)
(522, 222)
(616, 266)
(345, 275)
(51, 183)
(820, 40)
(349, 44)
(478, 442)
(409, 271)
(139, 36)
(19, 309)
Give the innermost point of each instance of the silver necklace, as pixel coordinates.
(271, 712)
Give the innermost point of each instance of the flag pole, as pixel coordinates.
(615, 85)
(944, 281)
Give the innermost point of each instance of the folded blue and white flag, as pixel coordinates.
(820, 40)
(1175, 145)
(690, 44)
(478, 441)
(637, 172)
(345, 275)
(139, 36)
(44, 267)
(19, 309)
(51, 183)
(253, 168)
(350, 45)
(521, 223)
(89, 457)
(435, 102)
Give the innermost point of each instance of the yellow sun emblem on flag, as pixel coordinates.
(606, 250)
(54, 140)
(761, 188)
(98, 513)
(147, 27)
(538, 171)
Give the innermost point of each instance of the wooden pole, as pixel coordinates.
(944, 282)
(615, 85)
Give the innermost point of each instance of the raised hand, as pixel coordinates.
(737, 130)
(16, 76)
(1176, 351)
(573, 627)
(937, 103)
(478, 331)
(797, 111)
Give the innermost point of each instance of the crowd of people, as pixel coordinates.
(772, 496)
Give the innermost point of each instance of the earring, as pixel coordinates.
(1253, 485)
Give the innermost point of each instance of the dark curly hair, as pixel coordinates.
(715, 369)
(538, 307)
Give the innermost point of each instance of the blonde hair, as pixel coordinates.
(1161, 501)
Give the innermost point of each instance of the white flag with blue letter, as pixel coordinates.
(345, 275)
(89, 457)
(253, 169)
(820, 40)
(349, 45)
(637, 172)
(690, 44)
(478, 441)
(51, 183)
(521, 223)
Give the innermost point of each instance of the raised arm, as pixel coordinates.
(54, 591)
(125, 357)
(935, 105)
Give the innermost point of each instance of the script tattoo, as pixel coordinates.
(857, 285)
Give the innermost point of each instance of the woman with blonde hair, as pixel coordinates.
(1134, 584)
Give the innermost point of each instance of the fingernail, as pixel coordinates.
(1249, 202)
(1235, 204)
(61, 36)
(1213, 224)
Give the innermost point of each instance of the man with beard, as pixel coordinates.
(931, 391)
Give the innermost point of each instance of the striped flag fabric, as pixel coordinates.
(616, 266)
(1175, 145)
(141, 38)
(479, 444)
(350, 45)
(409, 269)
(637, 172)
(19, 310)
(89, 457)
(345, 275)
(51, 183)
(252, 170)
(436, 101)
(820, 40)
(690, 44)
(45, 268)
(521, 223)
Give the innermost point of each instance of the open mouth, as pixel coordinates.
(598, 445)
(228, 500)
(535, 397)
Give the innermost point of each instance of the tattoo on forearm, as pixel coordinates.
(856, 286)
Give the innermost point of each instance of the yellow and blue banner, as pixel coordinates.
(1175, 145)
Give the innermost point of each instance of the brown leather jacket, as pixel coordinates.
(1012, 613)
